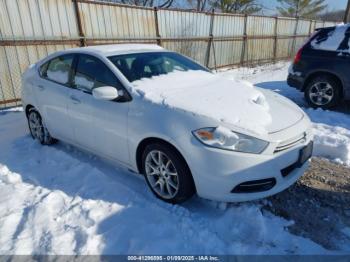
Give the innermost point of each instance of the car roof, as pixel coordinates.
(332, 27)
(116, 49)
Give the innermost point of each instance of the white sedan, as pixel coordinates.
(160, 114)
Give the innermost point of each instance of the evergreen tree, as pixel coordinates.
(301, 8)
(237, 6)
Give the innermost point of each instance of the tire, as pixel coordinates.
(176, 188)
(37, 128)
(323, 92)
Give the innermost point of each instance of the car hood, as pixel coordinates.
(231, 102)
(284, 112)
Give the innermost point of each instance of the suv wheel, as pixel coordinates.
(323, 92)
(37, 128)
(167, 174)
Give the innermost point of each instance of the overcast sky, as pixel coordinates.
(332, 4)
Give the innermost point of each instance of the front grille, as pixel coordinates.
(255, 186)
(290, 143)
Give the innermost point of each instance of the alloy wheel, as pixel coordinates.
(321, 93)
(161, 174)
(36, 127)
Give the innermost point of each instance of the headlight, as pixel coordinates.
(223, 138)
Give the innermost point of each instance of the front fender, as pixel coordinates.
(151, 120)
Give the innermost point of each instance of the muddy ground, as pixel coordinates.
(319, 204)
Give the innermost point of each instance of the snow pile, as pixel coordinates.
(59, 200)
(332, 142)
(332, 134)
(198, 92)
(333, 40)
(37, 220)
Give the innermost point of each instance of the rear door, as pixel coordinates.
(100, 126)
(52, 90)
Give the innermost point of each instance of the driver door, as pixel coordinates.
(99, 126)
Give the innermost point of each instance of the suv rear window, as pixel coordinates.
(332, 39)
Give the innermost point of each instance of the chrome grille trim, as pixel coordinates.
(284, 145)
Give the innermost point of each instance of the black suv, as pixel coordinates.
(321, 68)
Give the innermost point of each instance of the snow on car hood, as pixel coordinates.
(229, 101)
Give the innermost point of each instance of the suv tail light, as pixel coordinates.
(298, 55)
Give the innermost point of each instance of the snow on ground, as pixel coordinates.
(59, 200)
(331, 128)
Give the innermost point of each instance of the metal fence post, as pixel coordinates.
(245, 40)
(159, 40)
(210, 41)
(275, 40)
(79, 24)
(295, 36)
(310, 28)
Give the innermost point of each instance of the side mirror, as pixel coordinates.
(105, 93)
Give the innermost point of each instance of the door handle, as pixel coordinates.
(75, 100)
(41, 88)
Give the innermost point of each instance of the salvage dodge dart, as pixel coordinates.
(158, 113)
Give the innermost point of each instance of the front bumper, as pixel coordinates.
(218, 172)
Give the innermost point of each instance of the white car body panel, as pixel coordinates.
(114, 130)
(52, 102)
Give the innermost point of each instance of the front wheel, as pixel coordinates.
(37, 128)
(167, 174)
(323, 92)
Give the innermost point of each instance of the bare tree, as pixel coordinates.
(347, 13)
(336, 15)
(199, 5)
(148, 3)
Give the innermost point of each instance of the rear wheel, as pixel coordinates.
(323, 92)
(37, 128)
(167, 174)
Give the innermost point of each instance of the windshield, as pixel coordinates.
(147, 65)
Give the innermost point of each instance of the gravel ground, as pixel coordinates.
(319, 204)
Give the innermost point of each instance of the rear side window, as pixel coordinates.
(58, 69)
(332, 39)
(92, 73)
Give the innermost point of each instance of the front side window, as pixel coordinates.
(58, 69)
(147, 65)
(92, 73)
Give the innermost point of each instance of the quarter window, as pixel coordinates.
(92, 73)
(58, 69)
